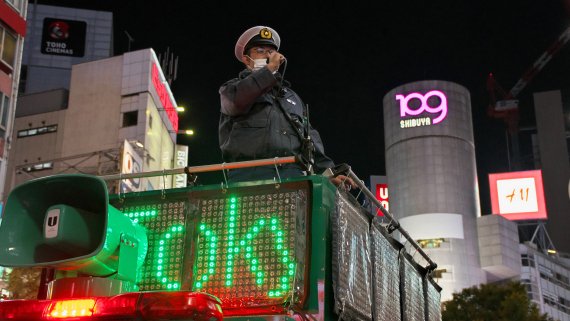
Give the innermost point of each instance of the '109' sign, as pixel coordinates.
(433, 106)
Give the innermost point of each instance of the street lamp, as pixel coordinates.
(136, 143)
(188, 132)
(139, 147)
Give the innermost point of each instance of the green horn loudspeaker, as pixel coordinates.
(65, 222)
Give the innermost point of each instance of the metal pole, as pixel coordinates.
(394, 223)
(508, 149)
(204, 168)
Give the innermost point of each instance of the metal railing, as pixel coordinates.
(392, 226)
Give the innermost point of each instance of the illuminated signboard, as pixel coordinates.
(247, 248)
(181, 161)
(166, 230)
(164, 96)
(131, 163)
(242, 250)
(379, 187)
(382, 197)
(518, 195)
(63, 37)
(415, 104)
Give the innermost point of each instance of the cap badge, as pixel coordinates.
(265, 33)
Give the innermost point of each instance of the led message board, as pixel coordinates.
(247, 246)
(164, 221)
(300, 247)
(518, 195)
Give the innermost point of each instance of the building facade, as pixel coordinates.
(431, 170)
(58, 38)
(12, 33)
(431, 174)
(119, 116)
(553, 133)
(547, 279)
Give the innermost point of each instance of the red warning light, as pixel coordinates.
(130, 306)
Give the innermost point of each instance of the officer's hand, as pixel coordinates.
(343, 181)
(275, 60)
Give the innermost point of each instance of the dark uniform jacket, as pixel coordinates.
(252, 126)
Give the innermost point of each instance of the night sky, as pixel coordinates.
(343, 57)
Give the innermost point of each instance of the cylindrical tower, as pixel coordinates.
(430, 164)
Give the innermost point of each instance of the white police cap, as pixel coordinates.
(258, 35)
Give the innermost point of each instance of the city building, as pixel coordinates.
(545, 273)
(79, 109)
(553, 158)
(12, 33)
(82, 110)
(57, 39)
(433, 192)
(432, 178)
(547, 278)
(119, 117)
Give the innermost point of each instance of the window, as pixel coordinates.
(561, 278)
(37, 131)
(438, 274)
(545, 272)
(17, 4)
(443, 273)
(23, 79)
(4, 107)
(430, 243)
(549, 298)
(130, 118)
(527, 260)
(7, 47)
(528, 285)
(38, 167)
(553, 277)
(563, 304)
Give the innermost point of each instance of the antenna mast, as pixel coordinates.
(169, 64)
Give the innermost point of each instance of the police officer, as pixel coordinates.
(261, 117)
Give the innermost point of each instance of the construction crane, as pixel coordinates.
(505, 105)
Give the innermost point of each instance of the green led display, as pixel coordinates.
(164, 222)
(246, 247)
(243, 248)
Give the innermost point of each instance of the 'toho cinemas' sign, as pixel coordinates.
(63, 37)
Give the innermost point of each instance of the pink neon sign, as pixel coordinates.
(405, 109)
(164, 97)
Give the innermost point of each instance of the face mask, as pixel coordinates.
(258, 63)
